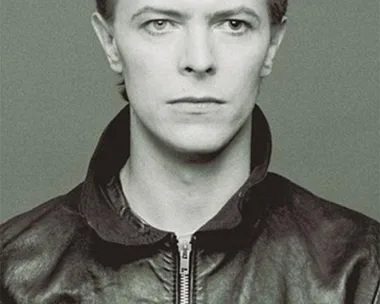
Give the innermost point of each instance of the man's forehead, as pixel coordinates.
(193, 6)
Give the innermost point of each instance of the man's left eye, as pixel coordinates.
(235, 26)
(159, 24)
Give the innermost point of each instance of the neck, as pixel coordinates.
(185, 191)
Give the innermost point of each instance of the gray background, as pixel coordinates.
(322, 100)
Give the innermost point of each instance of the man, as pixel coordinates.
(178, 206)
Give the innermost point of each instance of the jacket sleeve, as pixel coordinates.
(376, 299)
(367, 276)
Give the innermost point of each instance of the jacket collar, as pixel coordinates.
(107, 211)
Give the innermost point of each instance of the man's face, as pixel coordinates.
(192, 68)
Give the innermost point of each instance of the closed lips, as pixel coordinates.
(197, 100)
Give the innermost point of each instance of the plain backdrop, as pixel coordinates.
(322, 100)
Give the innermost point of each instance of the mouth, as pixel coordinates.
(196, 101)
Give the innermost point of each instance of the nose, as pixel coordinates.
(197, 57)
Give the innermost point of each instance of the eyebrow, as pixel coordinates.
(222, 14)
(162, 11)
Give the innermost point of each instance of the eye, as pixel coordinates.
(235, 26)
(158, 26)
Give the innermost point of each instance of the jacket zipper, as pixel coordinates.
(184, 246)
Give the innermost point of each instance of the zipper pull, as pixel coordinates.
(184, 245)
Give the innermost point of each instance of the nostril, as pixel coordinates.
(209, 70)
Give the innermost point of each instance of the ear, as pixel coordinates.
(104, 32)
(277, 34)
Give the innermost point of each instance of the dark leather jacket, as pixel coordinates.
(273, 242)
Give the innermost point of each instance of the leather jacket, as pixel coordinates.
(272, 242)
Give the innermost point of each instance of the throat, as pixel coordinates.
(177, 195)
(174, 205)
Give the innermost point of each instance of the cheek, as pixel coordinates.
(145, 70)
(244, 71)
(245, 58)
(248, 58)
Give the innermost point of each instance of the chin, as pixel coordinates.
(201, 145)
(201, 140)
(199, 149)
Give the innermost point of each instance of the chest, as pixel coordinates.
(180, 276)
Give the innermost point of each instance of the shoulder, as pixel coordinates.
(31, 243)
(305, 208)
(44, 218)
(329, 229)
(334, 236)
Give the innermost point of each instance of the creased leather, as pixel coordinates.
(272, 242)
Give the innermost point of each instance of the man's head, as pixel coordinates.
(173, 53)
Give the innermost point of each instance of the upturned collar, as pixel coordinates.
(106, 210)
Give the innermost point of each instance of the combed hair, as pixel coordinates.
(277, 10)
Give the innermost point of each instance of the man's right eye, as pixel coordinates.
(158, 26)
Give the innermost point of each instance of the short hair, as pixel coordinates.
(277, 10)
